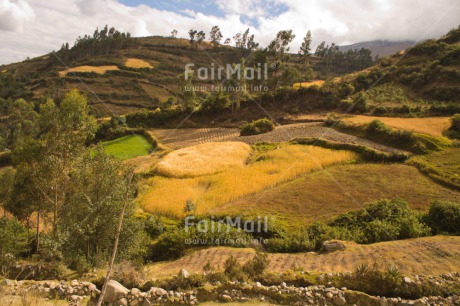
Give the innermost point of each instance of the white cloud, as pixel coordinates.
(14, 14)
(37, 27)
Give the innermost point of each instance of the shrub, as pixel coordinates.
(260, 126)
(13, 237)
(297, 242)
(233, 269)
(360, 103)
(444, 217)
(257, 266)
(455, 123)
(128, 274)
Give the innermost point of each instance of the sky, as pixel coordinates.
(30, 28)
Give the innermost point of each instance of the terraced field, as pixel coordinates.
(180, 138)
(423, 256)
(335, 190)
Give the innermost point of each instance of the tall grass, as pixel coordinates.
(286, 162)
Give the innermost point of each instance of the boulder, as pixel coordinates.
(184, 273)
(338, 300)
(332, 246)
(114, 291)
(158, 291)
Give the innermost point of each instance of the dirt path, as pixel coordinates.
(425, 256)
(181, 138)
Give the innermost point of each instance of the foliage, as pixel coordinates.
(91, 212)
(14, 238)
(444, 217)
(260, 126)
(360, 103)
(215, 102)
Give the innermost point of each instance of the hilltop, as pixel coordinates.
(381, 48)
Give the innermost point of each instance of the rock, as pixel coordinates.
(360, 298)
(158, 291)
(407, 280)
(339, 300)
(114, 291)
(74, 283)
(122, 302)
(329, 295)
(226, 298)
(135, 292)
(332, 246)
(184, 273)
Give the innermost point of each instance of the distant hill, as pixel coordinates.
(380, 47)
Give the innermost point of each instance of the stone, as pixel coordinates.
(339, 300)
(332, 246)
(407, 280)
(135, 292)
(226, 298)
(158, 291)
(184, 273)
(74, 283)
(114, 291)
(329, 295)
(122, 302)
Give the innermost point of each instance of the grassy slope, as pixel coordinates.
(128, 147)
(324, 194)
(443, 166)
(426, 256)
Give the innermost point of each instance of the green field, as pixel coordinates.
(128, 147)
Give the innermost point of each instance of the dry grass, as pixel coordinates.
(325, 194)
(422, 256)
(287, 162)
(26, 298)
(137, 63)
(156, 92)
(431, 125)
(308, 84)
(96, 69)
(204, 159)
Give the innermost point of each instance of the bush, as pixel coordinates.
(360, 103)
(444, 217)
(297, 242)
(233, 270)
(455, 123)
(257, 266)
(13, 237)
(257, 127)
(128, 274)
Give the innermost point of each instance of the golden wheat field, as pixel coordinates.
(286, 162)
(137, 63)
(431, 125)
(308, 84)
(203, 159)
(96, 69)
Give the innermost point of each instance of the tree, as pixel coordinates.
(305, 47)
(192, 33)
(279, 46)
(6, 187)
(13, 237)
(174, 33)
(215, 36)
(200, 36)
(89, 218)
(46, 163)
(227, 41)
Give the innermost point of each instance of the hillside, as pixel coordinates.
(147, 73)
(380, 48)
